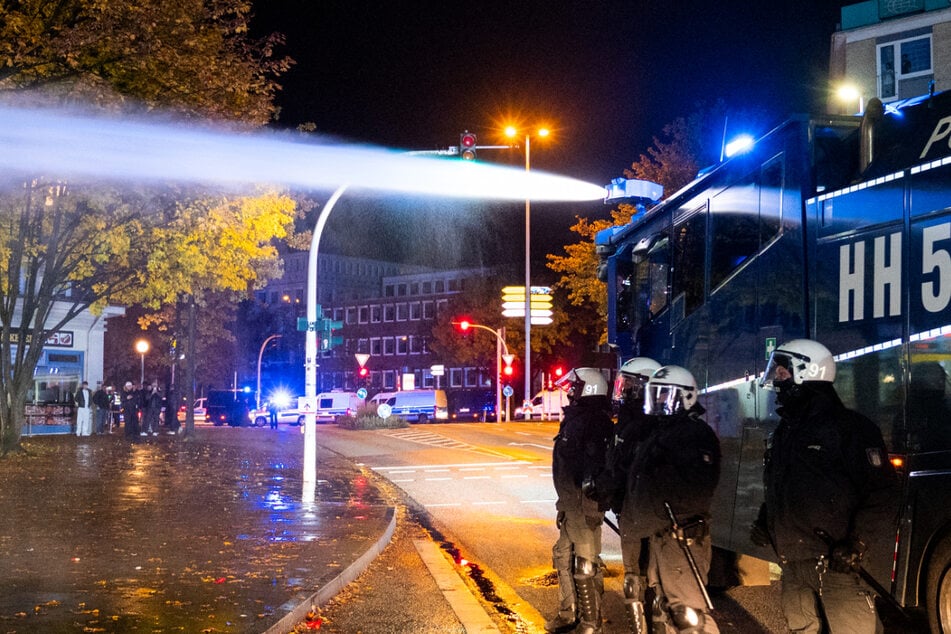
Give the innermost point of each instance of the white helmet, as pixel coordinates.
(582, 382)
(670, 389)
(802, 360)
(631, 378)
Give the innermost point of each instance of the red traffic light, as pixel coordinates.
(558, 371)
(362, 373)
(467, 146)
(463, 324)
(507, 370)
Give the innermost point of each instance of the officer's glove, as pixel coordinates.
(846, 555)
(758, 534)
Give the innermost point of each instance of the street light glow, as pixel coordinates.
(141, 346)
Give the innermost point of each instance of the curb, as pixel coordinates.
(297, 609)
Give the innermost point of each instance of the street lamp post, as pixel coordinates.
(542, 132)
(142, 346)
(257, 393)
(501, 352)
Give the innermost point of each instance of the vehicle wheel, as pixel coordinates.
(938, 598)
(260, 421)
(423, 419)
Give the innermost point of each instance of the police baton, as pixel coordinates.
(685, 547)
(865, 576)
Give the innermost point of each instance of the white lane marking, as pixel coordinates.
(456, 465)
(517, 475)
(403, 480)
(476, 477)
(437, 479)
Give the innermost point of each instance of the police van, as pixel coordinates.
(333, 405)
(416, 406)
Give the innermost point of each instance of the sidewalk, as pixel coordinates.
(166, 535)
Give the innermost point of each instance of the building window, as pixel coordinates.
(454, 285)
(402, 345)
(375, 346)
(415, 311)
(402, 312)
(363, 345)
(427, 288)
(455, 377)
(440, 286)
(351, 314)
(900, 64)
(441, 306)
(472, 377)
(388, 292)
(389, 313)
(415, 345)
(401, 290)
(364, 314)
(376, 313)
(414, 288)
(389, 346)
(429, 311)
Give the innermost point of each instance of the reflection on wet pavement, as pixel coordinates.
(209, 535)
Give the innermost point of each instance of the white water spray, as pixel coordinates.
(81, 145)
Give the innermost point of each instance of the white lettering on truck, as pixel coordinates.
(886, 274)
(941, 131)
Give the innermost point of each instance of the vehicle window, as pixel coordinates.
(689, 256)
(734, 219)
(326, 403)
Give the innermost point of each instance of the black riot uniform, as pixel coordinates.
(577, 459)
(831, 495)
(827, 468)
(677, 464)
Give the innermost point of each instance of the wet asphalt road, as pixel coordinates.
(166, 535)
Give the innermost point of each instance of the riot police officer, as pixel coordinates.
(675, 471)
(577, 459)
(632, 427)
(830, 494)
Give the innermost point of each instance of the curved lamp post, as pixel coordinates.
(257, 394)
(501, 351)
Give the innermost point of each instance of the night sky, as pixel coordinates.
(605, 76)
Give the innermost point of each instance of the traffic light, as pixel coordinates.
(464, 325)
(363, 373)
(467, 146)
(507, 371)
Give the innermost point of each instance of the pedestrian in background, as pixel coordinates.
(577, 460)
(83, 400)
(103, 405)
(152, 409)
(130, 410)
(831, 495)
(675, 470)
(272, 413)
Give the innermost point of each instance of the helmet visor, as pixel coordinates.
(662, 399)
(778, 369)
(627, 386)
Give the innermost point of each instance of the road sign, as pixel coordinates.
(362, 392)
(507, 391)
(384, 411)
(362, 358)
(437, 370)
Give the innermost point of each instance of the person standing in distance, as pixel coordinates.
(826, 468)
(677, 465)
(130, 410)
(632, 427)
(100, 399)
(83, 399)
(577, 459)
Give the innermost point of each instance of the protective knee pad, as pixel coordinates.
(585, 566)
(686, 619)
(634, 587)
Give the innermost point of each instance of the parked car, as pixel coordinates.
(201, 412)
(472, 405)
(227, 407)
(287, 416)
(546, 405)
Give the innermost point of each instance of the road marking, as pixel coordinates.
(437, 479)
(477, 477)
(457, 465)
(517, 475)
(467, 608)
(404, 480)
(530, 444)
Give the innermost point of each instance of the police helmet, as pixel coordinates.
(802, 360)
(583, 382)
(670, 389)
(631, 378)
